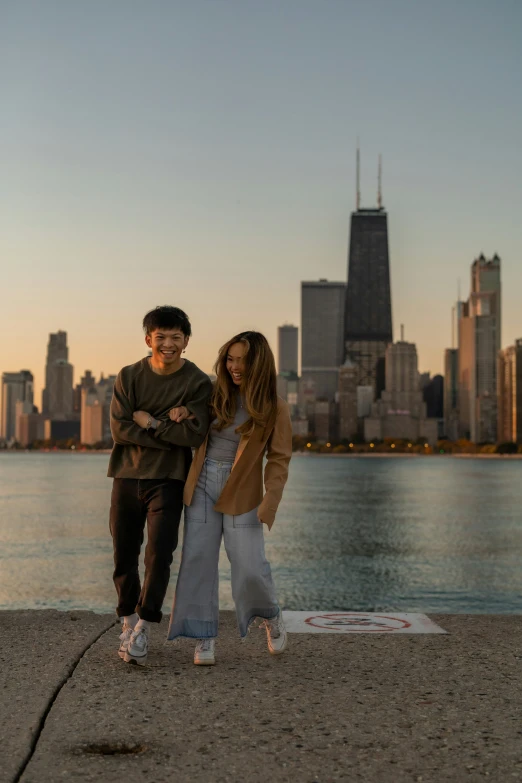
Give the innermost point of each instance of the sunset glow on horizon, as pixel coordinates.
(203, 155)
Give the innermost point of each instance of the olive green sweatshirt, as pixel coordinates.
(165, 452)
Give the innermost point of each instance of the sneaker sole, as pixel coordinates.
(205, 663)
(272, 651)
(131, 659)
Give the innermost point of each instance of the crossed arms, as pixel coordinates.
(189, 432)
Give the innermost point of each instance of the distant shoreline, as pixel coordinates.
(306, 454)
(399, 454)
(72, 452)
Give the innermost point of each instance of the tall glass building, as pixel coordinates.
(368, 313)
(322, 326)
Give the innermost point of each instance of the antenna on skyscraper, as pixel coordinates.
(358, 191)
(379, 188)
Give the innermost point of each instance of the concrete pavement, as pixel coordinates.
(38, 652)
(365, 707)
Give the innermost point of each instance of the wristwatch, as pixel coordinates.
(151, 423)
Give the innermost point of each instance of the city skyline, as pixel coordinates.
(181, 162)
(39, 389)
(477, 400)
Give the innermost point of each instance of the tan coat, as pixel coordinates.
(244, 488)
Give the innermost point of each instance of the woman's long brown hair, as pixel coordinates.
(259, 387)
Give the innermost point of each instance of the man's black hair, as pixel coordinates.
(167, 317)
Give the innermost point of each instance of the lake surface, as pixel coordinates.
(431, 534)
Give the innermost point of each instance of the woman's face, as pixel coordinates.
(236, 362)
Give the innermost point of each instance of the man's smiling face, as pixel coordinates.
(166, 345)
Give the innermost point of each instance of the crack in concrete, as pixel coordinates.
(41, 724)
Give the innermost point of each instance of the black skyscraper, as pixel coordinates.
(368, 297)
(368, 316)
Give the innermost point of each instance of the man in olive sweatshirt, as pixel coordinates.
(149, 464)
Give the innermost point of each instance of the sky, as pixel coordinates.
(202, 154)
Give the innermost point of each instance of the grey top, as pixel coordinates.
(222, 446)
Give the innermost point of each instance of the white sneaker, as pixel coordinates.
(205, 652)
(125, 636)
(276, 635)
(137, 647)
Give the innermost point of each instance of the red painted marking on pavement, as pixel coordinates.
(362, 620)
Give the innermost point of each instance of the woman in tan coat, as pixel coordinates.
(224, 498)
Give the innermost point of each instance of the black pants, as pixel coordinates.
(134, 501)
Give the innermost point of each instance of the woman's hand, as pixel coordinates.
(180, 413)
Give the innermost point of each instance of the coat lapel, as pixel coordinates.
(248, 443)
(251, 443)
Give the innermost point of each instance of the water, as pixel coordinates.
(420, 534)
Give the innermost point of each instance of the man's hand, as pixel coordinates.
(142, 418)
(180, 413)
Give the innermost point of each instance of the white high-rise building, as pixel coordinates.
(479, 331)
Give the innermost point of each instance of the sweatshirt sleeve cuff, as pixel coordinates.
(159, 429)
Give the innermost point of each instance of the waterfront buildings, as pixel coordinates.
(86, 382)
(59, 400)
(509, 384)
(16, 387)
(450, 404)
(401, 411)
(95, 410)
(30, 426)
(433, 396)
(347, 400)
(325, 420)
(288, 344)
(288, 387)
(57, 396)
(479, 334)
(368, 312)
(57, 351)
(322, 348)
(288, 381)
(67, 414)
(92, 415)
(64, 428)
(60, 390)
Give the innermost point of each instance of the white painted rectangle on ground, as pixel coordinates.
(359, 622)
